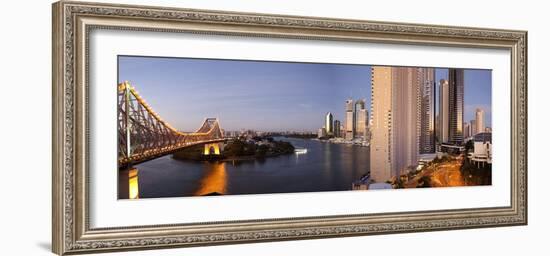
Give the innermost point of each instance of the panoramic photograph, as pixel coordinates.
(212, 127)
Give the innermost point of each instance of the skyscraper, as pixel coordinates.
(456, 105)
(405, 137)
(444, 111)
(329, 124)
(322, 132)
(395, 118)
(467, 130)
(350, 120)
(337, 132)
(473, 127)
(381, 110)
(361, 119)
(426, 80)
(480, 121)
(437, 128)
(362, 122)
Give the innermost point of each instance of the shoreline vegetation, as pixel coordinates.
(301, 136)
(290, 135)
(239, 150)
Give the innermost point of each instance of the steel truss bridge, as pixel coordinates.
(143, 135)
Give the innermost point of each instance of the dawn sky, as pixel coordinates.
(265, 96)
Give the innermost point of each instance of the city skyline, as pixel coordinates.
(281, 96)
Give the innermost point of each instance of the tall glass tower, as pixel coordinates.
(426, 80)
(361, 119)
(456, 106)
(349, 124)
(329, 125)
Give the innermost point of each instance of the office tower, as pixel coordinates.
(361, 119)
(426, 80)
(467, 130)
(336, 127)
(349, 125)
(473, 128)
(480, 121)
(456, 105)
(329, 124)
(395, 125)
(443, 111)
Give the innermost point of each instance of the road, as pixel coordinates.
(446, 174)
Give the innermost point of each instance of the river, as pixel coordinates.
(325, 167)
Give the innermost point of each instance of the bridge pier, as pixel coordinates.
(128, 186)
(213, 149)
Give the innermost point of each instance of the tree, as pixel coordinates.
(261, 150)
(424, 182)
(469, 146)
(399, 183)
(235, 148)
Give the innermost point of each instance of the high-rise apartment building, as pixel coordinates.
(443, 111)
(329, 125)
(467, 130)
(395, 120)
(350, 120)
(426, 81)
(381, 124)
(437, 128)
(337, 131)
(456, 105)
(361, 119)
(480, 120)
(406, 118)
(473, 127)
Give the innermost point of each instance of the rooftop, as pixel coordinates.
(483, 137)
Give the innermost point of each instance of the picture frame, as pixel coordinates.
(71, 211)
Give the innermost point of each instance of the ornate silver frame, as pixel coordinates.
(72, 22)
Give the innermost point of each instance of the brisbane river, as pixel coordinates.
(325, 167)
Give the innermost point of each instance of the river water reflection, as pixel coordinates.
(325, 167)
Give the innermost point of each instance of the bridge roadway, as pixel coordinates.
(151, 154)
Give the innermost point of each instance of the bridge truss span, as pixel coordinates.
(143, 135)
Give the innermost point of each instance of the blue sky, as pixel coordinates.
(266, 96)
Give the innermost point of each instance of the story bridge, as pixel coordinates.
(143, 135)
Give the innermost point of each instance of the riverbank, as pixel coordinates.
(354, 142)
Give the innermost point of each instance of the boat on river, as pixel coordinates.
(300, 151)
